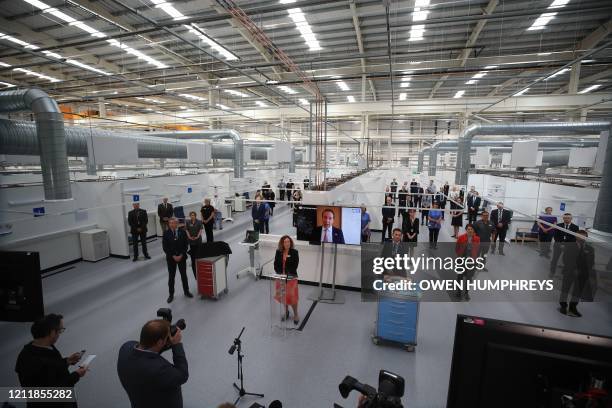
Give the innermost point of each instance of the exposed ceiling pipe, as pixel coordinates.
(215, 134)
(19, 138)
(49, 136)
(603, 211)
(452, 145)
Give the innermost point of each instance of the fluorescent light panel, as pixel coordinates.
(459, 94)
(524, 91)
(590, 88)
(304, 28)
(416, 32)
(198, 32)
(558, 4)
(262, 104)
(402, 96)
(350, 98)
(236, 93)
(540, 22)
(286, 89)
(194, 97)
(6, 84)
(303, 101)
(343, 86)
(219, 105)
(556, 74)
(36, 74)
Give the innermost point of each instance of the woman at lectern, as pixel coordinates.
(286, 261)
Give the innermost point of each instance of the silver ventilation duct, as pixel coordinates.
(526, 128)
(215, 134)
(451, 145)
(51, 138)
(19, 138)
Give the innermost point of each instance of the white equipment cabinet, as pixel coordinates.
(94, 245)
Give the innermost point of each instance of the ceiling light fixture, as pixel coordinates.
(262, 104)
(558, 4)
(343, 86)
(471, 82)
(416, 32)
(540, 22)
(197, 31)
(350, 98)
(286, 89)
(304, 28)
(303, 101)
(590, 88)
(402, 96)
(36, 74)
(519, 93)
(223, 106)
(236, 93)
(459, 94)
(87, 67)
(7, 84)
(490, 67)
(556, 74)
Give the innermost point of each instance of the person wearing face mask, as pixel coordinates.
(40, 364)
(500, 218)
(149, 379)
(562, 238)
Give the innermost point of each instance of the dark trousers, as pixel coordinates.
(501, 234)
(424, 214)
(557, 252)
(472, 214)
(575, 278)
(182, 266)
(266, 226)
(192, 250)
(483, 249)
(433, 235)
(387, 227)
(281, 194)
(208, 229)
(143, 240)
(258, 226)
(545, 242)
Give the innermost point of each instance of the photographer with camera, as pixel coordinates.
(149, 379)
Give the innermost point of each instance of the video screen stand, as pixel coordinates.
(327, 295)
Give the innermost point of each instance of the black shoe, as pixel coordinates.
(466, 297)
(188, 294)
(501, 253)
(296, 322)
(134, 259)
(170, 299)
(563, 308)
(573, 311)
(147, 256)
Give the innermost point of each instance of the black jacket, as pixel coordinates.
(388, 214)
(175, 245)
(149, 379)
(42, 367)
(291, 264)
(473, 202)
(504, 219)
(165, 211)
(562, 236)
(337, 235)
(138, 218)
(410, 227)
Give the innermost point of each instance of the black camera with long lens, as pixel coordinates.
(166, 314)
(389, 394)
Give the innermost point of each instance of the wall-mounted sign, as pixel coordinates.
(38, 211)
(189, 190)
(562, 207)
(135, 198)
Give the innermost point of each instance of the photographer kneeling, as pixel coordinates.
(148, 378)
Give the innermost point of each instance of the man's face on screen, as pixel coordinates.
(328, 219)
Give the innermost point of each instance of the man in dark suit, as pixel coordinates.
(562, 237)
(149, 379)
(327, 232)
(164, 212)
(393, 248)
(138, 220)
(175, 246)
(258, 212)
(473, 204)
(402, 199)
(500, 218)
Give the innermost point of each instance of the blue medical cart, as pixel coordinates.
(397, 319)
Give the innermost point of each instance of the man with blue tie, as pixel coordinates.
(327, 232)
(175, 246)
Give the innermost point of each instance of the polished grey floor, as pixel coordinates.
(106, 303)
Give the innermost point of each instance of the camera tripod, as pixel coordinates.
(241, 391)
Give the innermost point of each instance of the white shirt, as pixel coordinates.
(326, 233)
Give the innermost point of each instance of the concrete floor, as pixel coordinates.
(106, 303)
